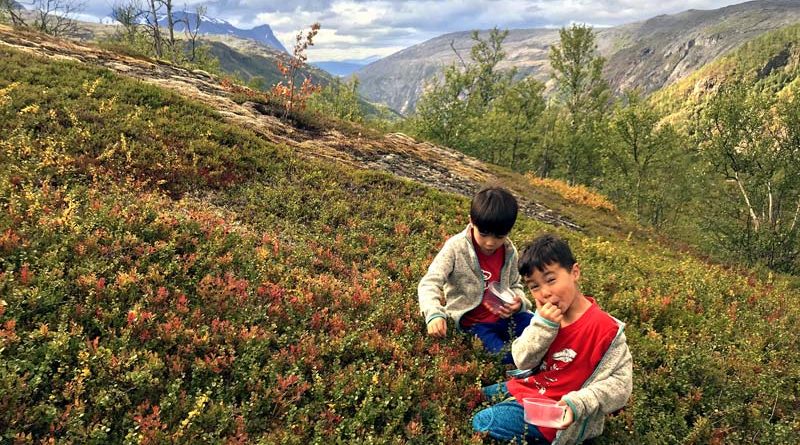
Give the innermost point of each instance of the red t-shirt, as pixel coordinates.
(570, 360)
(491, 265)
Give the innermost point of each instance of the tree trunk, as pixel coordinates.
(753, 215)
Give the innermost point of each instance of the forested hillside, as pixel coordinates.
(646, 55)
(172, 271)
(713, 161)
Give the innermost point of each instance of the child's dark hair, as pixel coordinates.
(494, 211)
(543, 251)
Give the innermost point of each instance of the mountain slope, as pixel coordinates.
(212, 26)
(248, 59)
(338, 68)
(646, 55)
(176, 267)
(771, 62)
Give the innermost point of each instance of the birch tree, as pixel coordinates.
(752, 141)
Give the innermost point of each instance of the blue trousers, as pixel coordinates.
(496, 335)
(505, 420)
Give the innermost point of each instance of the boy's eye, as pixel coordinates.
(486, 235)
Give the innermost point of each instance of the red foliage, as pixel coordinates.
(25, 274)
(149, 424)
(9, 240)
(240, 437)
(287, 91)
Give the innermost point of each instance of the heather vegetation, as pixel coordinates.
(166, 277)
(712, 161)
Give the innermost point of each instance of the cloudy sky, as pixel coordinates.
(358, 29)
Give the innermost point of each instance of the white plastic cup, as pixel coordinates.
(543, 412)
(503, 293)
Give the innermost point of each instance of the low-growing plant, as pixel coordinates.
(166, 277)
(578, 194)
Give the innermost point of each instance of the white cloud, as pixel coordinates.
(352, 28)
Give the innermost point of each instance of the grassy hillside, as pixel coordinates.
(166, 277)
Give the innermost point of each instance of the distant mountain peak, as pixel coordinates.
(214, 26)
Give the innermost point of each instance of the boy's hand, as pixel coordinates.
(437, 327)
(568, 418)
(549, 311)
(507, 310)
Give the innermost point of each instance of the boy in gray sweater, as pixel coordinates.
(457, 282)
(579, 353)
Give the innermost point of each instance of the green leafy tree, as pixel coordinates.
(442, 113)
(338, 99)
(453, 112)
(646, 163)
(577, 71)
(752, 142)
(486, 81)
(511, 123)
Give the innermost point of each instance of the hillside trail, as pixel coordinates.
(396, 153)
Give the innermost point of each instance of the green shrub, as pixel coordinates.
(169, 278)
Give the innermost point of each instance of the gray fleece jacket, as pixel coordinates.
(605, 391)
(454, 283)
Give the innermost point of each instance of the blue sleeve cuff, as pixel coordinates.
(572, 407)
(546, 321)
(434, 317)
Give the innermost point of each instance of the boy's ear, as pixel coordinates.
(576, 271)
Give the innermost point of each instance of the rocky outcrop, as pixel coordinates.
(429, 164)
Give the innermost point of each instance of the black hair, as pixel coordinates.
(494, 211)
(543, 251)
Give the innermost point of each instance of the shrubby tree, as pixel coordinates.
(752, 142)
(192, 29)
(582, 91)
(170, 38)
(510, 125)
(442, 113)
(645, 162)
(153, 29)
(8, 10)
(292, 95)
(128, 14)
(54, 17)
(457, 111)
(139, 31)
(338, 99)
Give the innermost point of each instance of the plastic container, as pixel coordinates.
(543, 412)
(499, 296)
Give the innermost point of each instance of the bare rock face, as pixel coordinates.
(647, 55)
(426, 163)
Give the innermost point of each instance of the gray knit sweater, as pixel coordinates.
(454, 283)
(605, 391)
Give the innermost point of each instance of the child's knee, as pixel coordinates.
(482, 420)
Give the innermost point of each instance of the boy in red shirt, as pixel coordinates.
(578, 353)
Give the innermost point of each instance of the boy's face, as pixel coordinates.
(555, 285)
(487, 242)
